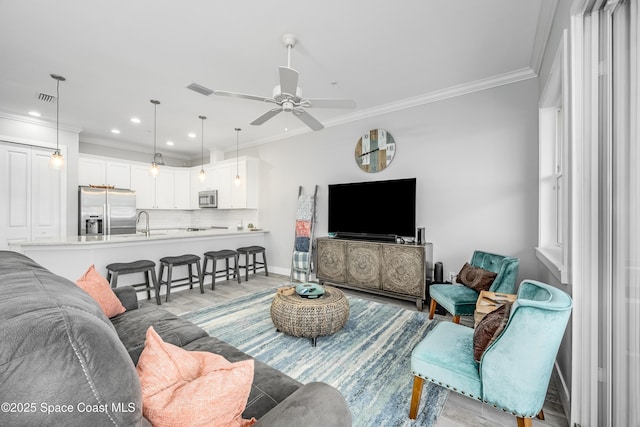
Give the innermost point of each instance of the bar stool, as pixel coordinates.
(148, 268)
(255, 265)
(176, 261)
(214, 256)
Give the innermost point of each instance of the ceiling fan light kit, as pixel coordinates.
(288, 96)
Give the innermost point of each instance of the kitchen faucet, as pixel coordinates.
(146, 230)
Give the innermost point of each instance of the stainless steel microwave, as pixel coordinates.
(208, 199)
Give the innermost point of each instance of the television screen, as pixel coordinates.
(373, 209)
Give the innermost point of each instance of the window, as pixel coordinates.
(553, 145)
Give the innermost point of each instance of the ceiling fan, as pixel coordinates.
(288, 96)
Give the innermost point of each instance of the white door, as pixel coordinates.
(45, 196)
(32, 194)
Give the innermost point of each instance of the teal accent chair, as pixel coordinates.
(514, 371)
(460, 300)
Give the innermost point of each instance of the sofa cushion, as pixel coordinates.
(192, 388)
(132, 326)
(58, 348)
(270, 386)
(98, 288)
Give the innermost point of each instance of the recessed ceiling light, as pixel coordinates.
(135, 120)
(192, 135)
(170, 143)
(35, 114)
(116, 131)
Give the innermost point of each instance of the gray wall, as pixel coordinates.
(474, 157)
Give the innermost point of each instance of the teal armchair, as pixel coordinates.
(514, 371)
(460, 300)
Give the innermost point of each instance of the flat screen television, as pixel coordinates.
(376, 210)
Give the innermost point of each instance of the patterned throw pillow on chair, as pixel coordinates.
(476, 278)
(489, 329)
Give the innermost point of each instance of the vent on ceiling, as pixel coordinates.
(46, 97)
(200, 89)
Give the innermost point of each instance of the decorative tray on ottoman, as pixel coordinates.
(309, 290)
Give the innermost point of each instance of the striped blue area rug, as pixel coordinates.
(368, 360)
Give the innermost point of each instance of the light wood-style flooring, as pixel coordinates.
(458, 410)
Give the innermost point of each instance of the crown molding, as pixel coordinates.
(38, 122)
(543, 32)
(428, 98)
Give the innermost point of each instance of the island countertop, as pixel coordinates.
(70, 257)
(155, 234)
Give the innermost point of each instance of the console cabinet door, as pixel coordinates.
(331, 260)
(363, 264)
(403, 270)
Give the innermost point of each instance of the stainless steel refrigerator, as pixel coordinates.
(105, 211)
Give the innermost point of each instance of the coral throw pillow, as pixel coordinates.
(98, 288)
(192, 388)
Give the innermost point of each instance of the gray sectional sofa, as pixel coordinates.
(62, 362)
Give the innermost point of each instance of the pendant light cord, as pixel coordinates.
(202, 118)
(57, 114)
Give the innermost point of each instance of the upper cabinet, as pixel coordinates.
(220, 176)
(176, 187)
(100, 171)
(169, 190)
(232, 194)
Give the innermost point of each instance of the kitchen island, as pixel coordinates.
(70, 257)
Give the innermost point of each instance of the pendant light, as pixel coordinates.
(56, 161)
(154, 166)
(236, 180)
(202, 175)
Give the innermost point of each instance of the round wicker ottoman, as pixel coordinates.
(310, 318)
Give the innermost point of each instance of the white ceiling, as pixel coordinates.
(117, 55)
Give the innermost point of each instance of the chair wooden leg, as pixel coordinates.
(525, 422)
(456, 319)
(432, 308)
(415, 396)
(540, 415)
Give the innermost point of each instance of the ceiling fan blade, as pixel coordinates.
(307, 119)
(241, 95)
(288, 81)
(329, 103)
(266, 116)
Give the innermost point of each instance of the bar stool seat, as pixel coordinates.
(254, 264)
(215, 256)
(147, 267)
(176, 261)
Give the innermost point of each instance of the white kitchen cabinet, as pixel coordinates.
(181, 189)
(103, 171)
(92, 171)
(230, 195)
(144, 185)
(32, 193)
(168, 190)
(118, 174)
(164, 189)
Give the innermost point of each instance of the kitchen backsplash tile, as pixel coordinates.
(201, 218)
